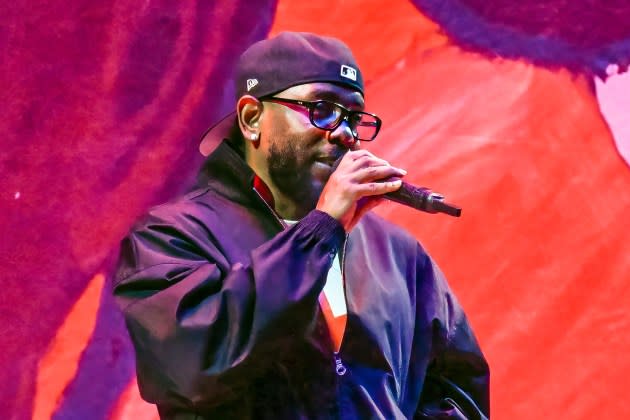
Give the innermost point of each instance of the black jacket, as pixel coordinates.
(221, 302)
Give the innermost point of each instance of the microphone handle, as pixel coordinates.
(423, 199)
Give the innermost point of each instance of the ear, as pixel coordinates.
(249, 110)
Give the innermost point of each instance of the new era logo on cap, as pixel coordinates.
(348, 72)
(251, 83)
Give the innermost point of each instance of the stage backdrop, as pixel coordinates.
(492, 104)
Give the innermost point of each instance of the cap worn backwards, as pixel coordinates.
(289, 59)
(293, 58)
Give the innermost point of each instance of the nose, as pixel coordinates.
(342, 135)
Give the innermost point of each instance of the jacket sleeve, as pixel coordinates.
(456, 385)
(203, 329)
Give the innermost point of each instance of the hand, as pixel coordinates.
(358, 185)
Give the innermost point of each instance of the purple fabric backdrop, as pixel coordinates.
(89, 90)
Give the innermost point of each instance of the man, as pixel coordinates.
(271, 291)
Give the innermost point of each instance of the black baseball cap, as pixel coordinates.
(288, 59)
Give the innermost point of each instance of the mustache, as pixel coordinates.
(333, 158)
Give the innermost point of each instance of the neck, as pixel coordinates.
(287, 209)
(284, 207)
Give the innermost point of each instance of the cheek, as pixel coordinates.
(294, 124)
(292, 136)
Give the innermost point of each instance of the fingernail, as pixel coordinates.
(402, 171)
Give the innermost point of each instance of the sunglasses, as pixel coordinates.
(329, 115)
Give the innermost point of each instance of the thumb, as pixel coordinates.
(364, 205)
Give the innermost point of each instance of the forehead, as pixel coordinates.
(329, 91)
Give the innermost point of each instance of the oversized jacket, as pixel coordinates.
(221, 303)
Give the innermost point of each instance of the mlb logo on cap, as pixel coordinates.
(348, 72)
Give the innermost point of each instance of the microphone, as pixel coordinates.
(423, 199)
(419, 198)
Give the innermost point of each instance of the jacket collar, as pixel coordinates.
(226, 172)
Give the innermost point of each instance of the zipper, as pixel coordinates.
(343, 280)
(340, 369)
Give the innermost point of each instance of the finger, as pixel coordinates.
(368, 203)
(356, 154)
(373, 173)
(376, 188)
(362, 158)
(364, 205)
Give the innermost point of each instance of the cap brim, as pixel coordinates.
(216, 133)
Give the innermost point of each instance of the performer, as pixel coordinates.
(271, 291)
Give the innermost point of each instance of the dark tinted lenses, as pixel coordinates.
(327, 115)
(364, 126)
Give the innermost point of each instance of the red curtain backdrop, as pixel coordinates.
(103, 104)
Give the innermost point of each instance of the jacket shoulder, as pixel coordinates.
(188, 206)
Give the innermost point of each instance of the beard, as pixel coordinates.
(291, 171)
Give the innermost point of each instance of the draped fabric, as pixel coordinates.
(582, 36)
(103, 104)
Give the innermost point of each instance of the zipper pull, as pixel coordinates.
(339, 367)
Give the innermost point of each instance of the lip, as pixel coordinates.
(331, 160)
(327, 162)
